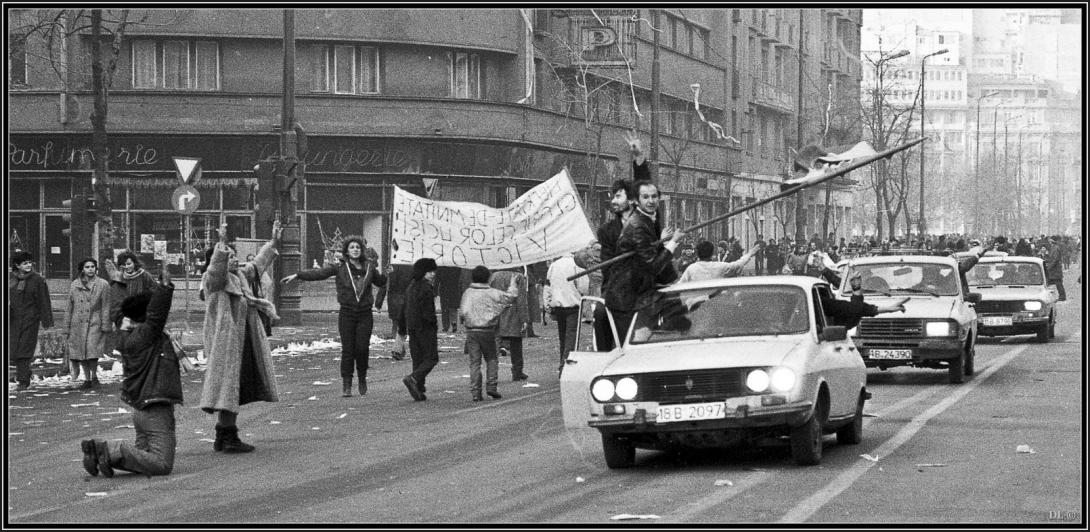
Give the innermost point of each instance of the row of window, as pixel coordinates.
(930, 95)
(934, 75)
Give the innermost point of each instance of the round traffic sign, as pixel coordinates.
(185, 199)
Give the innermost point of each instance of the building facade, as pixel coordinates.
(487, 102)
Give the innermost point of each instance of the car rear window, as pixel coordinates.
(719, 312)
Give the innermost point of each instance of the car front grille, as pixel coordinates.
(891, 328)
(692, 386)
(985, 307)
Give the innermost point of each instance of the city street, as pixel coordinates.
(932, 452)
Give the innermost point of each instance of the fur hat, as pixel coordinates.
(423, 266)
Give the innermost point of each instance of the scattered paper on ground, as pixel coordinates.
(930, 465)
(85, 404)
(624, 517)
(723, 483)
(869, 457)
(342, 416)
(95, 494)
(1025, 449)
(531, 385)
(580, 479)
(274, 422)
(312, 398)
(209, 440)
(320, 383)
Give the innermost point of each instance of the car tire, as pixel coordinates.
(806, 439)
(852, 433)
(957, 369)
(618, 454)
(1052, 325)
(970, 360)
(1044, 333)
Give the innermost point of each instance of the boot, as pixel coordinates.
(90, 457)
(363, 385)
(227, 438)
(102, 452)
(347, 390)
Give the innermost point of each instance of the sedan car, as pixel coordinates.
(1015, 298)
(717, 363)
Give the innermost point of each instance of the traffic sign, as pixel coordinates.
(188, 169)
(185, 199)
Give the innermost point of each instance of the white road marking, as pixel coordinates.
(815, 502)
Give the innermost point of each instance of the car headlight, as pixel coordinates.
(783, 379)
(602, 390)
(757, 380)
(938, 328)
(1032, 305)
(626, 388)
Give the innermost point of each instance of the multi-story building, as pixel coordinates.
(486, 102)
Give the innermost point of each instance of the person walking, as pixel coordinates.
(422, 326)
(355, 276)
(480, 311)
(152, 385)
(28, 307)
(759, 258)
(88, 324)
(240, 367)
(563, 297)
(773, 258)
(397, 280)
(447, 281)
(1054, 271)
(513, 322)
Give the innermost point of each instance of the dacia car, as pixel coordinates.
(1015, 298)
(939, 325)
(720, 363)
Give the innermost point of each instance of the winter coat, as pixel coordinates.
(88, 319)
(631, 282)
(1054, 268)
(513, 318)
(232, 310)
(448, 280)
(26, 310)
(394, 291)
(420, 306)
(140, 282)
(347, 296)
(148, 357)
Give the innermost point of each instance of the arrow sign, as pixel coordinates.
(189, 169)
(185, 199)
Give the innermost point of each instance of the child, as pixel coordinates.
(152, 386)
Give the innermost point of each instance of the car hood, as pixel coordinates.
(916, 306)
(1016, 293)
(697, 354)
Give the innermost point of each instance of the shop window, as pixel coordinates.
(24, 194)
(17, 64)
(237, 198)
(343, 198)
(175, 65)
(56, 191)
(465, 75)
(23, 233)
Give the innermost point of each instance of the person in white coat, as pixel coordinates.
(562, 299)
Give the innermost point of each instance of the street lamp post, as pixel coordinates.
(921, 224)
(976, 171)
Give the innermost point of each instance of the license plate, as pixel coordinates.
(890, 354)
(691, 412)
(996, 321)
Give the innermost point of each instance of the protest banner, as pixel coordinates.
(544, 223)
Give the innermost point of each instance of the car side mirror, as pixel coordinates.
(834, 332)
(973, 297)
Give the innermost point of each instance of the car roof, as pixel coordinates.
(1012, 258)
(888, 259)
(800, 281)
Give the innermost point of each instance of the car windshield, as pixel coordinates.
(1006, 273)
(907, 278)
(724, 311)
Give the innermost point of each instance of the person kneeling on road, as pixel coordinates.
(480, 311)
(152, 386)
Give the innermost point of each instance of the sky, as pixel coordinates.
(892, 22)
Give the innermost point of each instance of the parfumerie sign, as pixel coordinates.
(542, 224)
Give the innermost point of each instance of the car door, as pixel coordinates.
(837, 360)
(583, 364)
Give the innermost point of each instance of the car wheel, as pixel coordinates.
(619, 454)
(806, 439)
(1044, 333)
(852, 433)
(970, 360)
(1051, 325)
(957, 369)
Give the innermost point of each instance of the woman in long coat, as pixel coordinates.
(28, 306)
(240, 368)
(88, 321)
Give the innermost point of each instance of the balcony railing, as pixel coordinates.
(770, 96)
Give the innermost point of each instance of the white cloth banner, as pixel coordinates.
(544, 223)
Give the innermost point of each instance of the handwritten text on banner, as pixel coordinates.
(544, 223)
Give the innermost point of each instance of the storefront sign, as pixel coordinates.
(544, 223)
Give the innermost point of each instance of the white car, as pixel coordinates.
(1015, 298)
(717, 363)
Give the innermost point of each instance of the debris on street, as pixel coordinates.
(1025, 449)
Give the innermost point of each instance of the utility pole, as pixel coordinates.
(1018, 189)
(289, 297)
(921, 224)
(800, 229)
(1006, 158)
(655, 94)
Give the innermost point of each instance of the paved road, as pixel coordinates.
(945, 453)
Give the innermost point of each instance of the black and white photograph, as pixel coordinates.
(545, 265)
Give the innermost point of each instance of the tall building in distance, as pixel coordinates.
(486, 102)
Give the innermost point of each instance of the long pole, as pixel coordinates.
(290, 255)
(1006, 159)
(655, 94)
(921, 225)
(976, 173)
(1018, 189)
(750, 206)
(800, 209)
(995, 166)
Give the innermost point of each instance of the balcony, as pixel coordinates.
(771, 97)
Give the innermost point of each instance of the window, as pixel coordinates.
(176, 65)
(344, 69)
(465, 75)
(941, 39)
(17, 59)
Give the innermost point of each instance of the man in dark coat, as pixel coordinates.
(448, 281)
(152, 386)
(397, 280)
(631, 283)
(422, 326)
(1054, 268)
(28, 306)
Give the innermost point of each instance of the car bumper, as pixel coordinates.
(1020, 324)
(921, 350)
(741, 412)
